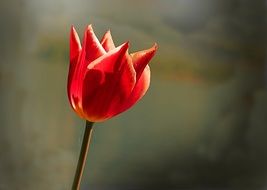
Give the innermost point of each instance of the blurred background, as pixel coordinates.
(202, 124)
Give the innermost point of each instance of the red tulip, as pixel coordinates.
(105, 80)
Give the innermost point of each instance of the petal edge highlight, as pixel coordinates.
(75, 45)
(107, 41)
(141, 59)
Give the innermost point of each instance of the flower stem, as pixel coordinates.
(83, 154)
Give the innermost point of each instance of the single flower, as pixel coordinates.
(105, 80)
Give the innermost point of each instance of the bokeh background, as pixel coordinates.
(202, 124)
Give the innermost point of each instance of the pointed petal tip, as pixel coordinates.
(127, 43)
(107, 41)
(151, 51)
(73, 30)
(124, 46)
(89, 28)
(75, 45)
(107, 36)
(155, 46)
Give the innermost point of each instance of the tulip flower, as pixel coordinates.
(105, 80)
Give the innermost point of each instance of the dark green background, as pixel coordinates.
(202, 124)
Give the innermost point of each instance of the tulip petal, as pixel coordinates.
(139, 90)
(75, 49)
(103, 99)
(112, 60)
(141, 59)
(75, 45)
(107, 41)
(91, 50)
(92, 47)
(92, 82)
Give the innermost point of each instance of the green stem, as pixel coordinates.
(83, 155)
